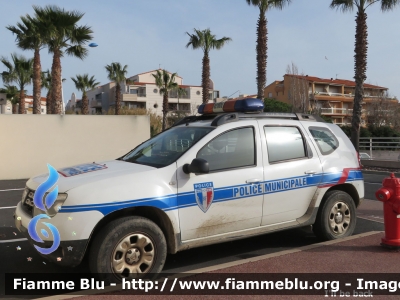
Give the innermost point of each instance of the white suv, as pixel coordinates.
(211, 178)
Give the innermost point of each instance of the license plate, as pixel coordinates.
(29, 199)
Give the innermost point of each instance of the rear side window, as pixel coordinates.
(284, 143)
(325, 139)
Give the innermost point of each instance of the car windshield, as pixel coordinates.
(167, 147)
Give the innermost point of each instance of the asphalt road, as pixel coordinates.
(15, 250)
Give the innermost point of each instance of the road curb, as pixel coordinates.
(281, 253)
(218, 267)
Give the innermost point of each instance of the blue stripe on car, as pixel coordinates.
(187, 199)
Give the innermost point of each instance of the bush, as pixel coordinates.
(375, 131)
(364, 132)
(175, 116)
(155, 120)
(326, 119)
(272, 105)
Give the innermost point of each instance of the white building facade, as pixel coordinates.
(73, 105)
(140, 91)
(6, 106)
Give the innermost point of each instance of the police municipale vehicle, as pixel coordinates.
(230, 172)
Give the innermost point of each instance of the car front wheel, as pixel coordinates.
(127, 247)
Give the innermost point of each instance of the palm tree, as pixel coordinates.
(11, 92)
(46, 83)
(83, 83)
(165, 83)
(31, 35)
(206, 41)
(20, 71)
(117, 73)
(261, 47)
(65, 37)
(360, 57)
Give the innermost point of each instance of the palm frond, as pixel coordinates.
(77, 51)
(389, 4)
(342, 5)
(115, 72)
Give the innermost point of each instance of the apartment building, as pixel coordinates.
(331, 97)
(6, 106)
(140, 91)
(73, 105)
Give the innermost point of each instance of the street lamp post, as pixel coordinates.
(62, 96)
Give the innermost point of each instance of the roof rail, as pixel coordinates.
(219, 119)
(278, 115)
(191, 119)
(308, 117)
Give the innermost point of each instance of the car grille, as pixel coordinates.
(27, 201)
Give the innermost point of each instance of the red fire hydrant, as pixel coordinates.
(389, 194)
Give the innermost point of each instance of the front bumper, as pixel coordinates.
(70, 253)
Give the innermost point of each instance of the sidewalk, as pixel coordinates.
(360, 254)
(356, 254)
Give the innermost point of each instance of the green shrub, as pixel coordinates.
(272, 105)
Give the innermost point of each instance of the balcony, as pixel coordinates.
(129, 97)
(342, 124)
(95, 104)
(330, 94)
(336, 111)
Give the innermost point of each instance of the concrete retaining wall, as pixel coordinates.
(383, 154)
(381, 164)
(29, 142)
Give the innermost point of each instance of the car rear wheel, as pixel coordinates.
(127, 247)
(336, 216)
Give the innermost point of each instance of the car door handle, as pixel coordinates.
(310, 172)
(254, 180)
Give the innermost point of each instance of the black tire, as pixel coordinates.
(128, 244)
(336, 216)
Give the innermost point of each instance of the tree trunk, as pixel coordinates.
(85, 104)
(205, 77)
(261, 50)
(37, 83)
(14, 109)
(165, 110)
(56, 83)
(48, 102)
(117, 98)
(360, 68)
(21, 109)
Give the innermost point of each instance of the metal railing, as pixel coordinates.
(379, 143)
(345, 124)
(342, 111)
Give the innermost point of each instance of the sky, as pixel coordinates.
(146, 35)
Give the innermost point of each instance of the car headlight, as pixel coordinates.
(53, 210)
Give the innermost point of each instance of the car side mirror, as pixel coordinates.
(198, 165)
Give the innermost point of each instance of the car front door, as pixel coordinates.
(228, 198)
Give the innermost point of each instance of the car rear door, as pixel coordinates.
(292, 170)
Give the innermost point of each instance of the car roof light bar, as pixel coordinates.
(248, 105)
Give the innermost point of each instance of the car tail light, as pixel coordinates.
(359, 160)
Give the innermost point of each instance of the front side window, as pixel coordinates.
(325, 140)
(232, 149)
(284, 143)
(167, 147)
